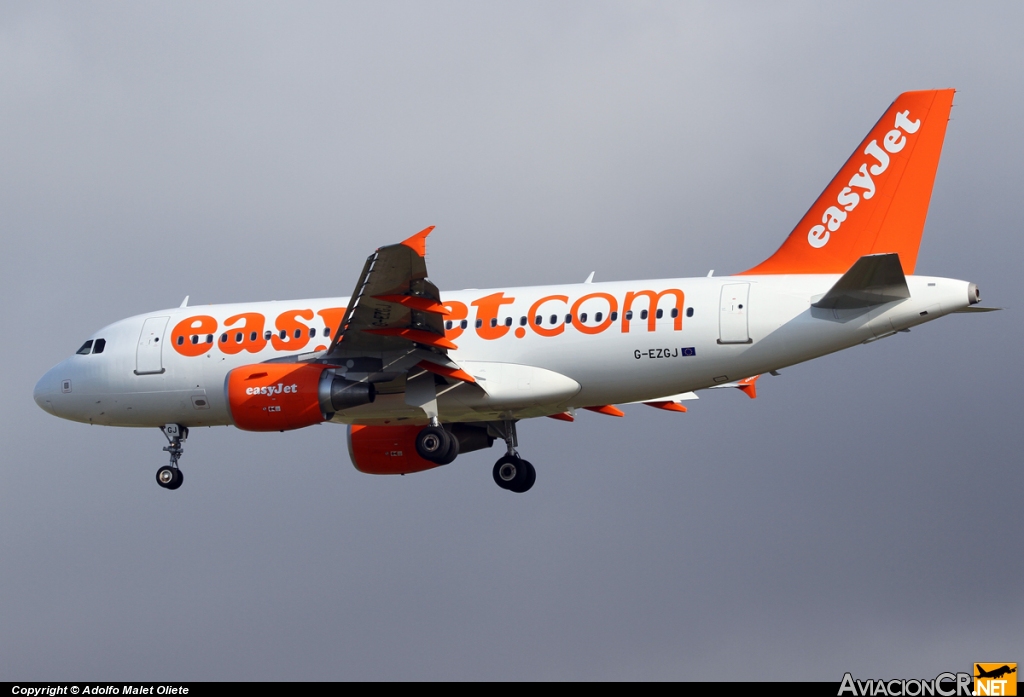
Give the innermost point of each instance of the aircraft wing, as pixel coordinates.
(394, 306)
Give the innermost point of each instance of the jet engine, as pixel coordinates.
(392, 449)
(286, 396)
(386, 449)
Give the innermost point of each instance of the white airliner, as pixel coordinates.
(420, 376)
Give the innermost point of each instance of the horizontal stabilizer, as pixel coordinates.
(873, 279)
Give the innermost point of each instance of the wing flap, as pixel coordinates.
(395, 307)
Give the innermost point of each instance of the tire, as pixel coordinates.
(165, 477)
(433, 443)
(509, 472)
(530, 479)
(179, 477)
(526, 475)
(451, 453)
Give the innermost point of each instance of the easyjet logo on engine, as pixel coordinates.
(861, 184)
(269, 390)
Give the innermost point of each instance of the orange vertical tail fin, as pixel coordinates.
(878, 201)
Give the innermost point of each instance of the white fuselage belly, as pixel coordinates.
(611, 366)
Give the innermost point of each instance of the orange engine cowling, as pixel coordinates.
(286, 396)
(392, 449)
(386, 449)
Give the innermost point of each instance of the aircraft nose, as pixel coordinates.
(46, 390)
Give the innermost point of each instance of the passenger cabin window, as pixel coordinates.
(209, 338)
(252, 337)
(327, 332)
(554, 319)
(583, 317)
(238, 337)
(597, 316)
(267, 334)
(312, 332)
(538, 319)
(479, 323)
(448, 324)
(522, 321)
(298, 333)
(629, 314)
(284, 334)
(224, 338)
(689, 312)
(494, 321)
(660, 313)
(464, 323)
(675, 312)
(195, 338)
(643, 314)
(508, 321)
(181, 340)
(615, 316)
(568, 319)
(86, 348)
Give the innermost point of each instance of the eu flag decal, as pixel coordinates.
(689, 351)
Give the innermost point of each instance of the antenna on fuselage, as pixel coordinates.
(184, 303)
(590, 278)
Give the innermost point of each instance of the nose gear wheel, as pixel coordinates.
(169, 476)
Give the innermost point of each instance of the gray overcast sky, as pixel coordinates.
(862, 514)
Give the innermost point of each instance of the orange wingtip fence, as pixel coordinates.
(418, 242)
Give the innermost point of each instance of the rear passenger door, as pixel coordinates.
(732, 317)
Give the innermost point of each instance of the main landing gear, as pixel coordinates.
(512, 472)
(435, 444)
(169, 476)
(439, 445)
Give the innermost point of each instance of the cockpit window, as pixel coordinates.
(86, 348)
(99, 345)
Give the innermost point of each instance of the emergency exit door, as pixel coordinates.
(732, 317)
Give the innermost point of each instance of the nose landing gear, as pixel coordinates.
(169, 476)
(512, 472)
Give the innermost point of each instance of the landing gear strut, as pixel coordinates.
(512, 472)
(169, 476)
